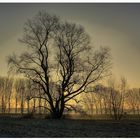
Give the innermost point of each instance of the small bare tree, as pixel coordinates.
(117, 98)
(20, 89)
(16, 95)
(8, 91)
(88, 103)
(28, 93)
(2, 94)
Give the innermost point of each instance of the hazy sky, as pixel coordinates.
(113, 25)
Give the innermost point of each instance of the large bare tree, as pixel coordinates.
(60, 59)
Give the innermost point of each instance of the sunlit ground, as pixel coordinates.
(21, 127)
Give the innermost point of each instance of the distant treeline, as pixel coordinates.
(115, 99)
(18, 95)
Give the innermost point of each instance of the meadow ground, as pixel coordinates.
(69, 128)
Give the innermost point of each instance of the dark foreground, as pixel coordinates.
(17, 127)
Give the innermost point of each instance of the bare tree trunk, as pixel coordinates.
(34, 106)
(39, 105)
(101, 110)
(57, 112)
(3, 104)
(16, 104)
(22, 106)
(134, 111)
(9, 105)
(91, 108)
(28, 106)
(105, 108)
(44, 106)
(96, 109)
(138, 110)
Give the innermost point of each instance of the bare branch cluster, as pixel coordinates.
(59, 59)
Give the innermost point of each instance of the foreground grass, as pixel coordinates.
(17, 127)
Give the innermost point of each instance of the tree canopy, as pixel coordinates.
(60, 59)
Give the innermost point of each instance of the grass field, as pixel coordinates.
(19, 127)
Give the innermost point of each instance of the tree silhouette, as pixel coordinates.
(59, 59)
(8, 91)
(117, 98)
(2, 85)
(6, 84)
(20, 86)
(133, 100)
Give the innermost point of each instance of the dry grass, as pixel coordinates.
(19, 127)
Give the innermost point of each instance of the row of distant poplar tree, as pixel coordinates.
(116, 99)
(18, 96)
